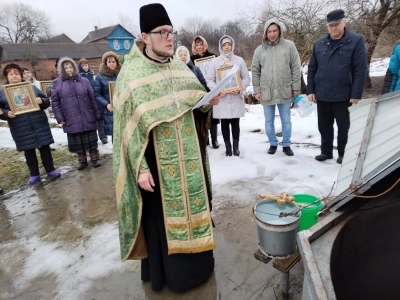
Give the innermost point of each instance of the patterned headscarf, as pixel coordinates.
(196, 39)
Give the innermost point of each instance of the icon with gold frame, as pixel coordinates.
(234, 84)
(21, 98)
(202, 64)
(44, 84)
(111, 88)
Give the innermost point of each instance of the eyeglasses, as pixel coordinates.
(165, 33)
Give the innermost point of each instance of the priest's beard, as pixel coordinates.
(161, 54)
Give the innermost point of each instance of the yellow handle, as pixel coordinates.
(281, 199)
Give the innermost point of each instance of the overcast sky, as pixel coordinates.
(76, 18)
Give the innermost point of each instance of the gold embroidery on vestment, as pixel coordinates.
(192, 166)
(197, 201)
(171, 170)
(166, 132)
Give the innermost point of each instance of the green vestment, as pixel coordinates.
(155, 98)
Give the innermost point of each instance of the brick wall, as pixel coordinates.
(46, 69)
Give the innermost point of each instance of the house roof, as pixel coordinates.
(13, 52)
(100, 33)
(61, 38)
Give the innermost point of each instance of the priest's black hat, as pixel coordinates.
(152, 16)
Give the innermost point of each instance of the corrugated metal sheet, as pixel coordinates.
(382, 142)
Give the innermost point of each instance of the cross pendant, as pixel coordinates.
(176, 98)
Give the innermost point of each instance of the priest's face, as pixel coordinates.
(160, 42)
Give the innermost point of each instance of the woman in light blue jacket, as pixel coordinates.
(231, 107)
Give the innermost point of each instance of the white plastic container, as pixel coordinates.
(303, 106)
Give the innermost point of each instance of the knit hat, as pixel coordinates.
(227, 56)
(8, 67)
(108, 54)
(226, 40)
(152, 16)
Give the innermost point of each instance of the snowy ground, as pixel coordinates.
(236, 182)
(280, 170)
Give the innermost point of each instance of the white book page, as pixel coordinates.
(217, 89)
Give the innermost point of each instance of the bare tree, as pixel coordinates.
(21, 23)
(303, 20)
(129, 24)
(371, 18)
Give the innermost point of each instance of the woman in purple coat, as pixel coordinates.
(75, 107)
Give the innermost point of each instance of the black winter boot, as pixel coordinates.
(214, 134)
(236, 151)
(82, 160)
(95, 158)
(228, 147)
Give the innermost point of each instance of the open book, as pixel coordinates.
(218, 88)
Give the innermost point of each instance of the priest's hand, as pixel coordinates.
(146, 181)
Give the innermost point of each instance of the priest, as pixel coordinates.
(161, 170)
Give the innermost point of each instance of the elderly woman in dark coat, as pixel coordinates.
(29, 130)
(75, 107)
(183, 54)
(108, 71)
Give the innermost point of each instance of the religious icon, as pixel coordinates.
(44, 85)
(21, 98)
(235, 83)
(203, 63)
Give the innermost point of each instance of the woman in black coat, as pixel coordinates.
(200, 50)
(108, 71)
(29, 130)
(183, 54)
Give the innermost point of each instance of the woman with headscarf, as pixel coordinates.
(183, 54)
(30, 131)
(231, 107)
(200, 50)
(109, 70)
(75, 107)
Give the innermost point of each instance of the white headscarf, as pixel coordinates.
(180, 48)
(227, 57)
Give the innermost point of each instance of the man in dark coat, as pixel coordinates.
(336, 76)
(84, 71)
(200, 50)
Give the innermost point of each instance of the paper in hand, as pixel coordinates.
(218, 88)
